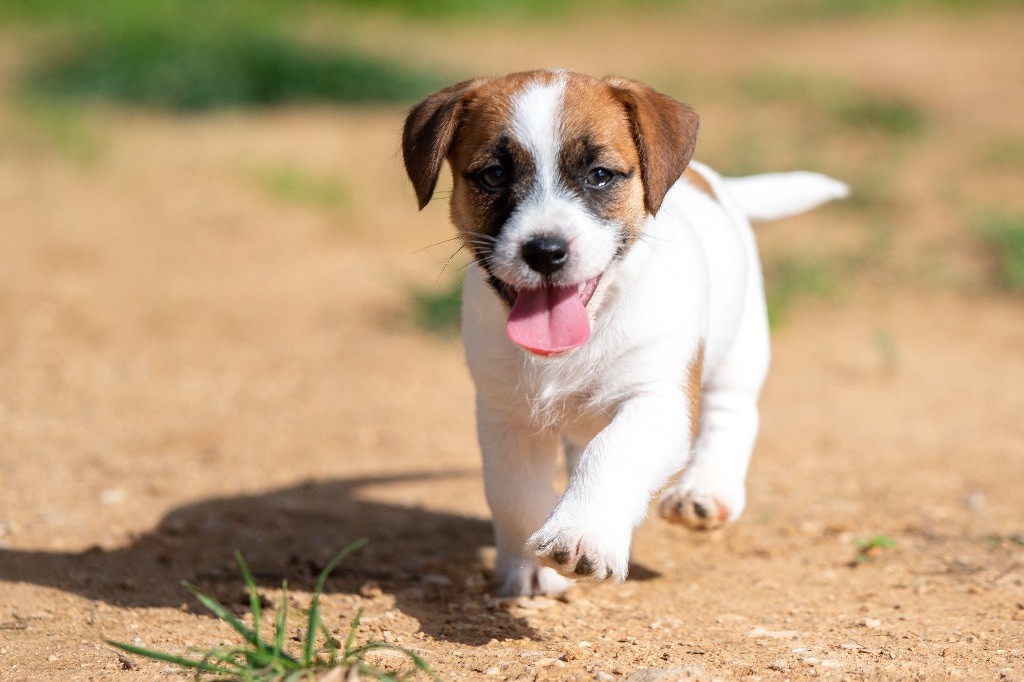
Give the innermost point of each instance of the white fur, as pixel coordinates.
(536, 114)
(771, 196)
(619, 401)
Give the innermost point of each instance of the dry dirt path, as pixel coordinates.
(190, 366)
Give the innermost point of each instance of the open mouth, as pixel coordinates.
(550, 319)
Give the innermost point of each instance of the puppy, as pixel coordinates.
(614, 310)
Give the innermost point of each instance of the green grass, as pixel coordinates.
(189, 56)
(537, 10)
(191, 73)
(843, 103)
(1004, 234)
(892, 115)
(871, 548)
(791, 279)
(503, 9)
(260, 660)
(439, 311)
(294, 185)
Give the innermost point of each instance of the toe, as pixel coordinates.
(700, 512)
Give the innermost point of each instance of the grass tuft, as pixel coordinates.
(871, 548)
(1004, 233)
(262, 661)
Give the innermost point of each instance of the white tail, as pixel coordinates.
(777, 195)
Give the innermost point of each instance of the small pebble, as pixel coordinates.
(370, 590)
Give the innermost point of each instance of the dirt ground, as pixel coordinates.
(190, 365)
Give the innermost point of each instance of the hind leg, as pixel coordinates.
(712, 489)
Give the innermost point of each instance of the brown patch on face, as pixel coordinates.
(433, 126)
(596, 133)
(694, 389)
(699, 182)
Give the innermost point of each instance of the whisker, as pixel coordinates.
(430, 246)
(471, 238)
(438, 278)
(480, 236)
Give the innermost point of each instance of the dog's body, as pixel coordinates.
(616, 309)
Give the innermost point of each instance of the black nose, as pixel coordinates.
(546, 255)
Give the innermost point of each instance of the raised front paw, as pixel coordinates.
(581, 554)
(699, 508)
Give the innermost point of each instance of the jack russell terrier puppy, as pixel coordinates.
(615, 310)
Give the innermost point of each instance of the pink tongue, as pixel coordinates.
(548, 320)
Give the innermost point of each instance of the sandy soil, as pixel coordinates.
(189, 366)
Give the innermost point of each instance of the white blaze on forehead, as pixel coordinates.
(550, 209)
(536, 116)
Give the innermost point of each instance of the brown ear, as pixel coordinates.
(665, 132)
(428, 133)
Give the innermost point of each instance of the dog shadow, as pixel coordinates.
(427, 559)
(430, 561)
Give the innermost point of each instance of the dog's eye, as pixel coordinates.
(598, 178)
(493, 177)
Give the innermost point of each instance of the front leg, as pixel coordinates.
(519, 473)
(589, 532)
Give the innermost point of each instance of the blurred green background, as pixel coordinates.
(68, 65)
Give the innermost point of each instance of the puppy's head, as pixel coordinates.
(554, 175)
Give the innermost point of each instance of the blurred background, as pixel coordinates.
(214, 285)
